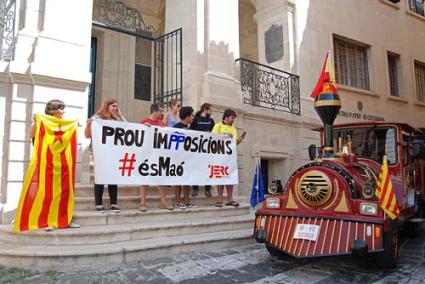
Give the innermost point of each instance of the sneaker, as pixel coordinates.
(100, 208)
(49, 229)
(143, 208)
(191, 205)
(74, 225)
(181, 205)
(115, 208)
(208, 193)
(194, 192)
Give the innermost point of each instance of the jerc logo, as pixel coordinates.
(218, 171)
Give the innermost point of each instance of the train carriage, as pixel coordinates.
(329, 207)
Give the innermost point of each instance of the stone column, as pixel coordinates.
(273, 33)
(51, 62)
(221, 49)
(184, 14)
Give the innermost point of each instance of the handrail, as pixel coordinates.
(268, 67)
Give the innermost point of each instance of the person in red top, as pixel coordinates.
(154, 119)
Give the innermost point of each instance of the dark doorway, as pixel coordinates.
(265, 172)
(166, 70)
(92, 86)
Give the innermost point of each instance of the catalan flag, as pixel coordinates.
(326, 81)
(47, 197)
(385, 193)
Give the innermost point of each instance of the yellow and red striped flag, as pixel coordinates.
(385, 193)
(47, 197)
(326, 81)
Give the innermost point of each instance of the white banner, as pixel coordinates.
(134, 154)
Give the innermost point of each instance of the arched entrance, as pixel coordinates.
(131, 60)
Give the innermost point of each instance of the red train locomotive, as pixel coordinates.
(328, 206)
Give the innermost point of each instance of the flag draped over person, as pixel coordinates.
(47, 197)
(258, 189)
(385, 192)
(326, 79)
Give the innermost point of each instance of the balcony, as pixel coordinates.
(7, 29)
(417, 6)
(267, 87)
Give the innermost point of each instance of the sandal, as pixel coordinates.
(169, 207)
(232, 203)
(143, 208)
(219, 204)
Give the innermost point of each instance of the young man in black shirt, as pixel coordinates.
(186, 117)
(203, 122)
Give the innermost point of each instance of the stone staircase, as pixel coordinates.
(130, 235)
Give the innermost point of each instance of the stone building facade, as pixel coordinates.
(189, 49)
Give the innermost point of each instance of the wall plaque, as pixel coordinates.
(273, 39)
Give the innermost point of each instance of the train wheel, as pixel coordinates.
(274, 251)
(411, 229)
(278, 253)
(388, 258)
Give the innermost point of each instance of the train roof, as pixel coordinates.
(404, 126)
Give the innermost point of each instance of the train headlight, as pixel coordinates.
(273, 203)
(368, 192)
(368, 209)
(272, 188)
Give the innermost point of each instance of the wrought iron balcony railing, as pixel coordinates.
(268, 87)
(417, 6)
(7, 29)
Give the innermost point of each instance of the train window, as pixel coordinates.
(371, 142)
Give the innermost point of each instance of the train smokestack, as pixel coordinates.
(327, 105)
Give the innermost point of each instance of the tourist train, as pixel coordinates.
(328, 207)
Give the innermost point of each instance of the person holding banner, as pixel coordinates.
(186, 118)
(47, 197)
(154, 120)
(226, 127)
(172, 117)
(109, 110)
(203, 122)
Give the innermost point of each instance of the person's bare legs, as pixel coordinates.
(229, 189)
(177, 192)
(143, 193)
(161, 190)
(220, 189)
(186, 190)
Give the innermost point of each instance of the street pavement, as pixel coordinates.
(248, 264)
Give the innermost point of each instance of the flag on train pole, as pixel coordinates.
(327, 75)
(258, 189)
(47, 197)
(385, 192)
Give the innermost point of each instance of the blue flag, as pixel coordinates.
(258, 189)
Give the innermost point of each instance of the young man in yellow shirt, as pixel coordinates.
(226, 127)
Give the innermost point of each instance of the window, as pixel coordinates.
(142, 70)
(371, 142)
(351, 64)
(420, 81)
(393, 69)
(417, 6)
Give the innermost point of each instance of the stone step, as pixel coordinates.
(120, 233)
(134, 216)
(126, 190)
(73, 257)
(133, 202)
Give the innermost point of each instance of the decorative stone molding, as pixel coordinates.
(118, 14)
(32, 79)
